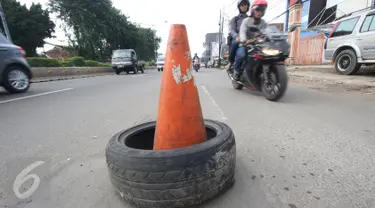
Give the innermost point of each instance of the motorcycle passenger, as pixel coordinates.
(234, 29)
(257, 10)
(195, 57)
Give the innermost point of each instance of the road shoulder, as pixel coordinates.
(326, 78)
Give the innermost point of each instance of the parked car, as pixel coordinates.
(14, 70)
(352, 42)
(160, 63)
(126, 60)
(209, 64)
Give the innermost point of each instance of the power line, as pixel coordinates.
(275, 4)
(286, 11)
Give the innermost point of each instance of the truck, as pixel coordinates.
(126, 60)
(160, 63)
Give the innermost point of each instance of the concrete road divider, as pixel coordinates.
(70, 71)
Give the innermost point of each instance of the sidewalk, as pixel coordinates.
(326, 73)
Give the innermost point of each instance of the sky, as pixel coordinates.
(199, 16)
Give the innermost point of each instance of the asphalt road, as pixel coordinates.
(311, 149)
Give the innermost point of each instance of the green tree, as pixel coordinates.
(98, 28)
(28, 27)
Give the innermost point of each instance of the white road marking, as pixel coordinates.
(23, 177)
(141, 75)
(223, 117)
(36, 95)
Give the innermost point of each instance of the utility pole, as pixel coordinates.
(220, 37)
(5, 25)
(155, 51)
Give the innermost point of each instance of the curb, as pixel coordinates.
(61, 78)
(294, 67)
(49, 74)
(39, 72)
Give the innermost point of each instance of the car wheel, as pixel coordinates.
(346, 62)
(171, 178)
(16, 79)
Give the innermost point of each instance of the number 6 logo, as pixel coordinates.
(23, 177)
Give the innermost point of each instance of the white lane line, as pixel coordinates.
(223, 117)
(141, 75)
(36, 95)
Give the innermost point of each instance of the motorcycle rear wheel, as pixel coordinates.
(235, 84)
(279, 78)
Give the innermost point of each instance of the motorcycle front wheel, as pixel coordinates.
(277, 85)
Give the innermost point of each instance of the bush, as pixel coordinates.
(77, 61)
(105, 65)
(43, 62)
(91, 63)
(66, 63)
(71, 62)
(150, 63)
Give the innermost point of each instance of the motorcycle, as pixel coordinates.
(196, 65)
(263, 68)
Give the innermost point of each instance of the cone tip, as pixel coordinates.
(178, 26)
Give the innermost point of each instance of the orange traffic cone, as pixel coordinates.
(180, 120)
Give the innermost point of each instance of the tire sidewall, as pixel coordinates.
(353, 62)
(7, 84)
(166, 159)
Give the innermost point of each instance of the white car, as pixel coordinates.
(160, 64)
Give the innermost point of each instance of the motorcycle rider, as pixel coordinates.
(196, 58)
(234, 29)
(257, 11)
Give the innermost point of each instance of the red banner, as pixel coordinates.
(292, 2)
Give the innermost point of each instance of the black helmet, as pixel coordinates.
(243, 1)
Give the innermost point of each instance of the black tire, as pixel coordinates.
(20, 71)
(347, 68)
(235, 84)
(135, 69)
(171, 178)
(118, 71)
(282, 80)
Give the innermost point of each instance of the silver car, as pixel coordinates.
(15, 71)
(352, 42)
